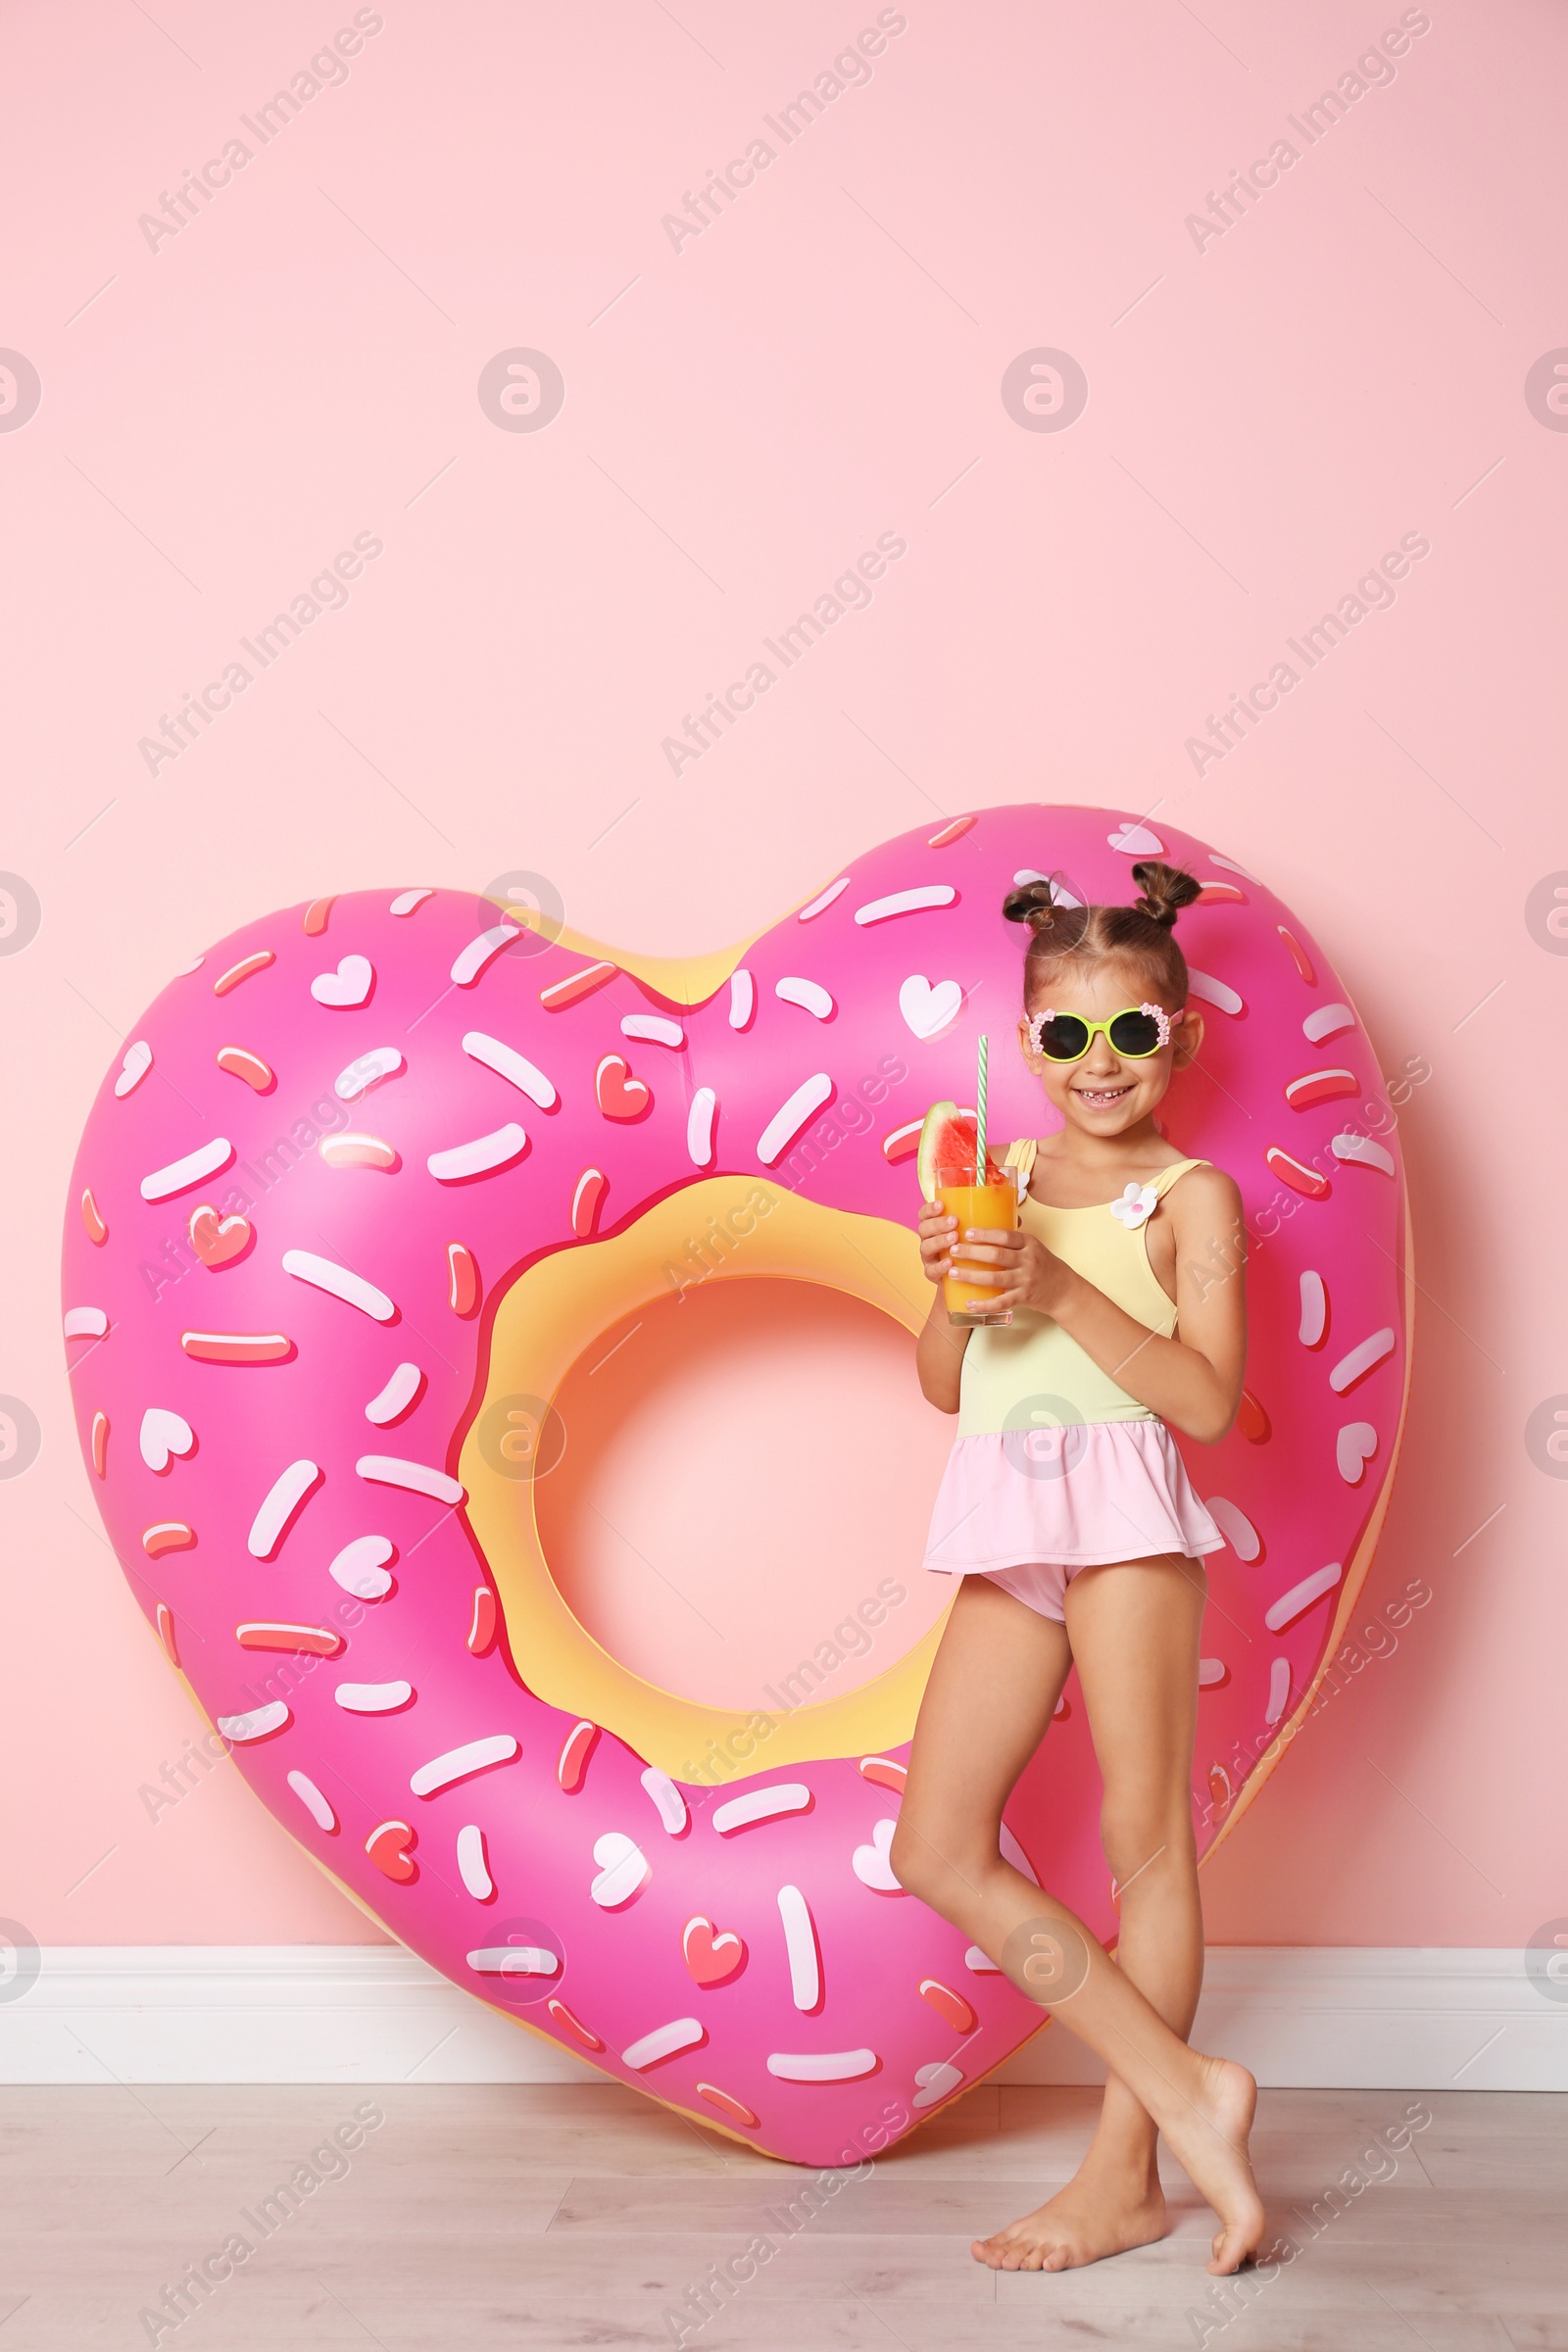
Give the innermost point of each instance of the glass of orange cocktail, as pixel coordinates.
(993, 1207)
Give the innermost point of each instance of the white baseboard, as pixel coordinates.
(1334, 2019)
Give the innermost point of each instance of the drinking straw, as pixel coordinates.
(980, 1117)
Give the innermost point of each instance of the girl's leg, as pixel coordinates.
(1134, 1631)
(982, 1716)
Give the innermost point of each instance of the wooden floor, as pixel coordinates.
(553, 2216)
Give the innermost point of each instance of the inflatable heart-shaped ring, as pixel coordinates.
(371, 1177)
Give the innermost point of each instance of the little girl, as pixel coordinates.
(1067, 1511)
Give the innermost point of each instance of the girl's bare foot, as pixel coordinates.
(1208, 2139)
(1102, 2211)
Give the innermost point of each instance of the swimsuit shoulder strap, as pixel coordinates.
(1173, 1175)
(1021, 1156)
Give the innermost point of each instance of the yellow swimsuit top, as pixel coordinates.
(1030, 1371)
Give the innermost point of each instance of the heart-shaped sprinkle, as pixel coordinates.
(1353, 1449)
(926, 1008)
(350, 984)
(388, 1847)
(218, 1241)
(1136, 841)
(871, 1864)
(711, 1957)
(163, 1434)
(134, 1069)
(622, 1869)
(935, 2082)
(619, 1095)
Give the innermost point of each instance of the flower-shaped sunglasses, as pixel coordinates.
(1134, 1033)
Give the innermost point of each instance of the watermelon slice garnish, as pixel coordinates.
(948, 1140)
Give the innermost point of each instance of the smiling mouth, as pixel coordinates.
(1102, 1098)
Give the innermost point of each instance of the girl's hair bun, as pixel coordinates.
(1032, 903)
(1166, 890)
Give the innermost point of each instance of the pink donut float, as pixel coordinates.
(370, 1177)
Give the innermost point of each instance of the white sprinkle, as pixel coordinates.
(654, 1028)
(1326, 1021)
(473, 1865)
(1235, 1527)
(809, 995)
(1315, 1309)
(669, 1801)
(386, 1470)
(1136, 841)
(481, 951)
(982, 1965)
(382, 1061)
(323, 1275)
(515, 1960)
(820, 2066)
(162, 1434)
(1061, 896)
(480, 1157)
(346, 989)
(1012, 1851)
(700, 1127)
(507, 1062)
(1353, 1449)
(1301, 1597)
(624, 1869)
(1362, 1151)
(823, 900)
(936, 2080)
(186, 970)
(458, 1762)
(928, 1009)
(310, 1798)
(283, 1499)
(396, 1397)
(134, 1069)
(786, 1123)
(905, 901)
(1231, 866)
(194, 1168)
(682, 2034)
(762, 1804)
(1279, 1690)
(800, 1942)
(1210, 1671)
(372, 1699)
(86, 1323)
(1214, 992)
(742, 998)
(361, 1567)
(256, 1725)
(1361, 1361)
(407, 899)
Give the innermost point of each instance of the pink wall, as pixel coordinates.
(1269, 410)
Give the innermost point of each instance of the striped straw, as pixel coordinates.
(980, 1116)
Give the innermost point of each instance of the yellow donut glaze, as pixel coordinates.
(549, 1316)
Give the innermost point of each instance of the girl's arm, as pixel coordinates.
(939, 1350)
(1194, 1380)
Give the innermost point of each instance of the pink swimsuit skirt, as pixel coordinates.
(1055, 1500)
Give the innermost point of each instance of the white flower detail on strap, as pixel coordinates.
(1135, 1205)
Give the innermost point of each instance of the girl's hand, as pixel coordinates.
(938, 1232)
(1017, 1268)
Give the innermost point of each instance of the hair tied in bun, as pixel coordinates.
(1164, 890)
(1033, 902)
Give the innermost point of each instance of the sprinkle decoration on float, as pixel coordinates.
(375, 1168)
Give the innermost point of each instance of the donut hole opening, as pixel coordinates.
(739, 1512)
